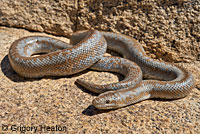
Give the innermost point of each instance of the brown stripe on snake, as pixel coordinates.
(178, 81)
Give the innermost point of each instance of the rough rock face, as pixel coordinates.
(60, 101)
(168, 29)
(55, 17)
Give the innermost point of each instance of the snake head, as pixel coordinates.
(108, 100)
(121, 98)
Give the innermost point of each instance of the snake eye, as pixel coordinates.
(107, 101)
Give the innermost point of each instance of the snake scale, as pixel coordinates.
(86, 50)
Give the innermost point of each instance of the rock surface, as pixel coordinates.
(167, 29)
(59, 101)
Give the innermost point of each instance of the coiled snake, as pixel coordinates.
(86, 50)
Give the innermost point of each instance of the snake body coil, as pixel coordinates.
(66, 60)
(88, 52)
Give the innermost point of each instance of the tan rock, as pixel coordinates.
(55, 17)
(173, 21)
(59, 101)
(169, 29)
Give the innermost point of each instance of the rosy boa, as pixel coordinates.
(87, 51)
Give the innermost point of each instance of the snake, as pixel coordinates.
(86, 50)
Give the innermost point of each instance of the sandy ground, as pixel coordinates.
(57, 104)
